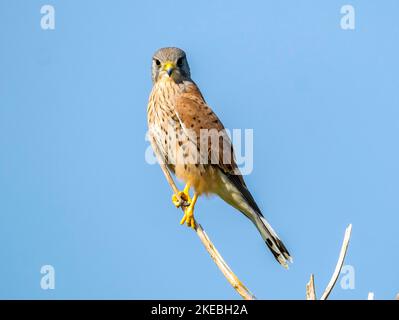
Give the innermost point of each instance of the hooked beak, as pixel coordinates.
(169, 67)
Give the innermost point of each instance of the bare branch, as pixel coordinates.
(213, 252)
(310, 289)
(340, 263)
(222, 265)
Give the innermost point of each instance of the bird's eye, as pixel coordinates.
(180, 62)
(157, 62)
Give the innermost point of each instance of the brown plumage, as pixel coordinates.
(188, 136)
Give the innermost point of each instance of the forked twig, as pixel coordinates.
(310, 286)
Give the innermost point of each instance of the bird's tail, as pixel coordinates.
(272, 240)
(234, 192)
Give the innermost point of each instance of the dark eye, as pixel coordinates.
(157, 62)
(180, 62)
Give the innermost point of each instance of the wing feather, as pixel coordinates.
(195, 115)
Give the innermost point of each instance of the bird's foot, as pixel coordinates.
(182, 198)
(188, 217)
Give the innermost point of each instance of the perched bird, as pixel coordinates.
(178, 121)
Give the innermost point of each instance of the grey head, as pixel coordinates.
(170, 62)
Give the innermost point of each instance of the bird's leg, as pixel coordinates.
(182, 198)
(189, 213)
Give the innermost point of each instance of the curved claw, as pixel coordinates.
(181, 199)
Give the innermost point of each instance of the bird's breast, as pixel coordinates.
(180, 153)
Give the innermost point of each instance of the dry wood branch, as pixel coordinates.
(222, 265)
(213, 252)
(339, 265)
(310, 289)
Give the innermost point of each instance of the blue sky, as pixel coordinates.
(76, 192)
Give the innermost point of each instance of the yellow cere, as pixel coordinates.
(169, 65)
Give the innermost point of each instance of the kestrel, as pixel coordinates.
(178, 121)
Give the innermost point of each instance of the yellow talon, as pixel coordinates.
(188, 217)
(182, 198)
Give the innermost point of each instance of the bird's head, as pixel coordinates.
(171, 63)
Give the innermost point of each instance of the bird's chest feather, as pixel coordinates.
(173, 144)
(161, 105)
(165, 127)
